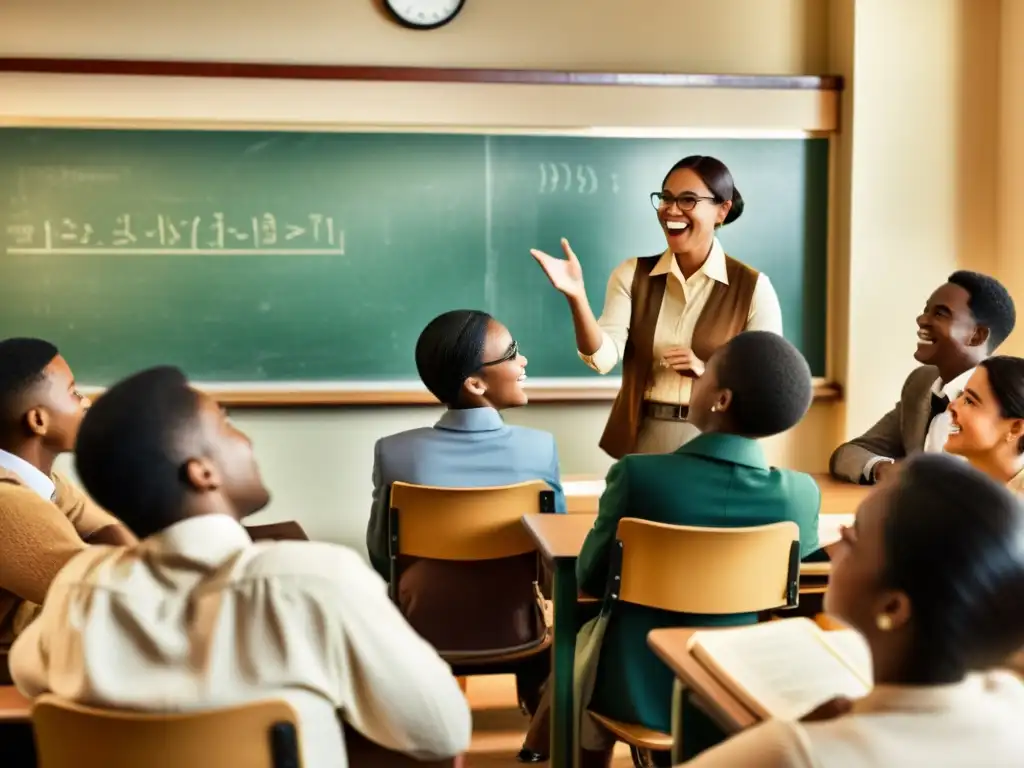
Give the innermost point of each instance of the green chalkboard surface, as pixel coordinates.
(256, 257)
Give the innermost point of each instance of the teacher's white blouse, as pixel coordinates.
(682, 306)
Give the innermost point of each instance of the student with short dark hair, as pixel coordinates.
(932, 576)
(756, 385)
(471, 364)
(988, 421)
(197, 616)
(964, 321)
(44, 519)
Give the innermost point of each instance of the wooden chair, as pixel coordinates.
(682, 569)
(256, 735)
(467, 524)
(259, 735)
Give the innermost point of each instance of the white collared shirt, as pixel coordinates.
(681, 307)
(29, 475)
(199, 616)
(938, 429)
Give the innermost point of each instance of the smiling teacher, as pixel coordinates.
(664, 315)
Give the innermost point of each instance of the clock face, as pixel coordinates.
(424, 14)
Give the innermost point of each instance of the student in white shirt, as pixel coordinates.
(964, 321)
(197, 616)
(932, 575)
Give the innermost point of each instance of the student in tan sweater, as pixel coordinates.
(44, 519)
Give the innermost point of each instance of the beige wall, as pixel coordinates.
(735, 36)
(1011, 161)
(917, 188)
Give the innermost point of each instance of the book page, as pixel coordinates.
(779, 669)
(828, 528)
(852, 646)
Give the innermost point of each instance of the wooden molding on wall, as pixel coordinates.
(272, 71)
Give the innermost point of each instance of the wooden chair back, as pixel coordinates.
(262, 734)
(464, 523)
(685, 569)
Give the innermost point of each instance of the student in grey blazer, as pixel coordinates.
(471, 363)
(963, 323)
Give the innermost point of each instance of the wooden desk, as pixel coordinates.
(14, 708)
(560, 537)
(728, 712)
(583, 491)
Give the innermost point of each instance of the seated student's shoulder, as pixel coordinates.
(921, 378)
(800, 487)
(533, 439)
(306, 560)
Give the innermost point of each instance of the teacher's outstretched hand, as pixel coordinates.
(565, 274)
(567, 277)
(665, 315)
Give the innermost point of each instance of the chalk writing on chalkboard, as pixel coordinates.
(562, 177)
(211, 235)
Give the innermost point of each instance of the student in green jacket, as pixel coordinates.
(756, 385)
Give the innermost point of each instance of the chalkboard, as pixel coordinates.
(279, 257)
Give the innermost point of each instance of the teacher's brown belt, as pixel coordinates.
(666, 411)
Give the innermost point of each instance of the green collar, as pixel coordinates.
(731, 448)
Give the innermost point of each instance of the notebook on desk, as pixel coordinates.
(784, 669)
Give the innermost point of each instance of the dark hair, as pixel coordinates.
(129, 453)
(770, 383)
(954, 543)
(450, 350)
(22, 366)
(1006, 378)
(717, 178)
(990, 303)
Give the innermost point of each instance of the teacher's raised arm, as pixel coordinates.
(664, 315)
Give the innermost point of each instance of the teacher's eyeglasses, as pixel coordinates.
(510, 354)
(686, 202)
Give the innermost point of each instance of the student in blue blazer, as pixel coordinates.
(471, 363)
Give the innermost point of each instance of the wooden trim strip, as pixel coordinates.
(271, 71)
(331, 398)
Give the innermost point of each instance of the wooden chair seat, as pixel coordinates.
(633, 734)
(477, 664)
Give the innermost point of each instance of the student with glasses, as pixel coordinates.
(470, 362)
(664, 315)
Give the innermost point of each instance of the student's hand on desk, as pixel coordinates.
(565, 274)
(884, 469)
(683, 361)
(830, 710)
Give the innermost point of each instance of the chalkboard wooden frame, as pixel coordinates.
(326, 395)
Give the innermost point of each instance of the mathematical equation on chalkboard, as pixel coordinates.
(216, 234)
(577, 179)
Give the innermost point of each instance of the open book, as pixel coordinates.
(786, 668)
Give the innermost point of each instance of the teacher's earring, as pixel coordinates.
(714, 409)
(884, 622)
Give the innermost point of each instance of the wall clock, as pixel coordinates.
(424, 14)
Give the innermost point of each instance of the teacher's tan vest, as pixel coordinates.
(724, 316)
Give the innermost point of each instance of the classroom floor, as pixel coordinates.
(499, 728)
